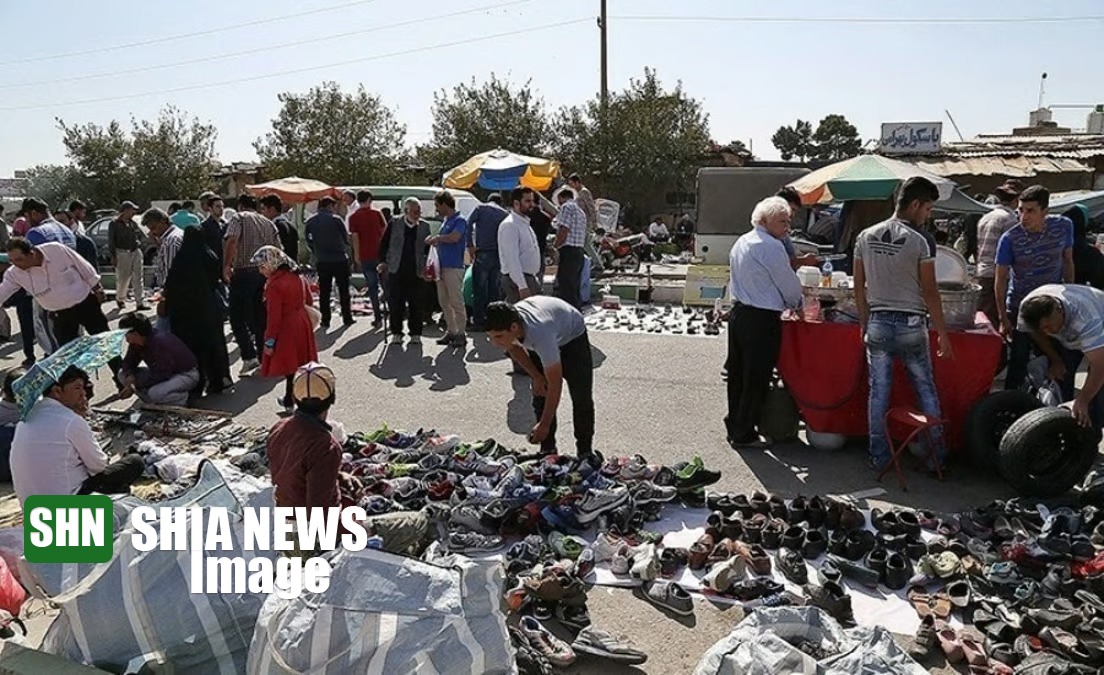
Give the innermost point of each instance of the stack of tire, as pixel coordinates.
(1040, 451)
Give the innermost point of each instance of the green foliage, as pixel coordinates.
(56, 184)
(836, 139)
(333, 136)
(650, 142)
(474, 118)
(795, 141)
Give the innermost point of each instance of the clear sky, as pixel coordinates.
(751, 76)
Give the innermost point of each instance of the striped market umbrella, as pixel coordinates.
(503, 170)
(866, 177)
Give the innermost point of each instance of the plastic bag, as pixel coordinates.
(12, 594)
(431, 265)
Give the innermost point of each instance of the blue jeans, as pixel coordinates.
(372, 283)
(904, 336)
(486, 274)
(1072, 360)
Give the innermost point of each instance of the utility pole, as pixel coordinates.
(605, 60)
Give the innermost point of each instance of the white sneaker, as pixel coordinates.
(605, 547)
(248, 367)
(415, 339)
(396, 339)
(645, 563)
(725, 573)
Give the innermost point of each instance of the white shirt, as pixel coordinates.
(78, 228)
(518, 252)
(63, 280)
(657, 229)
(54, 451)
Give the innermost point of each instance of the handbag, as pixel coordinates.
(313, 313)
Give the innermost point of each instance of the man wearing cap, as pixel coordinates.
(990, 229)
(124, 242)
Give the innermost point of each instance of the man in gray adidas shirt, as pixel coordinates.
(547, 337)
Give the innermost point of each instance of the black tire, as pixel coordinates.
(1045, 452)
(780, 419)
(989, 419)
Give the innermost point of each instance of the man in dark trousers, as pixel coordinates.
(329, 242)
(571, 232)
(403, 253)
(548, 338)
(483, 247)
(246, 234)
(762, 286)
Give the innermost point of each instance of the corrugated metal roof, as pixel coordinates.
(1076, 147)
(1015, 167)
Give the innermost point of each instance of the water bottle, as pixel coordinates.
(826, 274)
(376, 542)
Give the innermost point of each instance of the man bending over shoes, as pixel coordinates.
(548, 338)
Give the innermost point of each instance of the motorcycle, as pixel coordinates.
(622, 253)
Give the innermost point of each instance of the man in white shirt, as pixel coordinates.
(518, 252)
(62, 283)
(54, 451)
(657, 231)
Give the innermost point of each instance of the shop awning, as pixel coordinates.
(1013, 167)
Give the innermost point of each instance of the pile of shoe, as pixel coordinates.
(484, 494)
(652, 319)
(1028, 578)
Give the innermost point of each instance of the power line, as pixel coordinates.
(265, 48)
(866, 20)
(182, 36)
(296, 71)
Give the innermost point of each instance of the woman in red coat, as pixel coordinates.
(289, 335)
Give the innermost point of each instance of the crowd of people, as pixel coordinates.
(1031, 291)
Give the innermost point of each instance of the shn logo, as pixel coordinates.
(68, 528)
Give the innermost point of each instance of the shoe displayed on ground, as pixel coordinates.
(725, 573)
(832, 598)
(925, 639)
(757, 587)
(546, 644)
(597, 502)
(597, 642)
(566, 546)
(645, 492)
(574, 617)
(529, 660)
(471, 542)
(854, 571)
(605, 546)
(645, 563)
(668, 595)
(898, 571)
(792, 566)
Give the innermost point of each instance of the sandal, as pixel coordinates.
(699, 552)
(941, 606)
(952, 647)
(975, 655)
(921, 601)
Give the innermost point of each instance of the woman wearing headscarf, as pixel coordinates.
(289, 335)
(196, 311)
(1088, 262)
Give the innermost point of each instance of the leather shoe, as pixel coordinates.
(854, 571)
(798, 506)
(816, 512)
(772, 533)
(898, 570)
(837, 542)
(859, 543)
(815, 544)
(792, 566)
(794, 537)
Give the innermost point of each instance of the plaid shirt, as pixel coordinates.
(572, 217)
(166, 252)
(990, 228)
(253, 231)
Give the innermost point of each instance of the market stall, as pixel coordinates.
(823, 366)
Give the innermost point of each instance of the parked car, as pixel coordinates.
(97, 231)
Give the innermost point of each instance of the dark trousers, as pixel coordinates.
(1019, 353)
(24, 312)
(372, 286)
(116, 478)
(754, 340)
(87, 315)
(578, 374)
(569, 276)
(987, 301)
(406, 302)
(328, 273)
(247, 311)
(486, 287)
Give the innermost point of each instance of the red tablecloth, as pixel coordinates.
(823, 365)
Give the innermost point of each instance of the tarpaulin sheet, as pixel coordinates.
(766, 643)
(386, 614)
(823, 366)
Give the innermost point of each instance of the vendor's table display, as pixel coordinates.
(823, 366)
(662, 320)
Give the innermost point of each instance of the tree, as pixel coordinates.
(836, 139)
(169, 158)
(795, 141)
(172, 157)
(333, 136)
(474, 118)
(56, 184)
(649, 143)
(99, 154)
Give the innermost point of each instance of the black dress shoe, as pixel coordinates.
(772, 533)
(908, 523)
(792, 566)
(859, 543)
(794, 537)
(876, 560)
(816, 512)
(898, 570)
(798, 507)
(815, 544)
(778, 508)
(855, 571)
(837, 542)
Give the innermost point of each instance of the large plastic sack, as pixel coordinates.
(12, 594)
(384, 613)
(766, 643)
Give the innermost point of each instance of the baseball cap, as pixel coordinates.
(128, 205)
(314, 380)
(1010, 189)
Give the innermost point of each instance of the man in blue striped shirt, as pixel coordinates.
(763, 285)
(571, 233)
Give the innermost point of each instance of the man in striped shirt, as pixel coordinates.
(571, 232)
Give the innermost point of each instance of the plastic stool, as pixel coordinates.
(918, 422)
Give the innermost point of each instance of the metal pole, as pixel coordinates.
(605, 57)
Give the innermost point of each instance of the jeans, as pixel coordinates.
(1072, 360)
(1019, 353)
(904, 336)
(24, 312)
(486, 288)
(569, 276)
(328, 273)
(44, 331)
(578, 374)
(754, 341)
(372, 285)
(247, 311)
